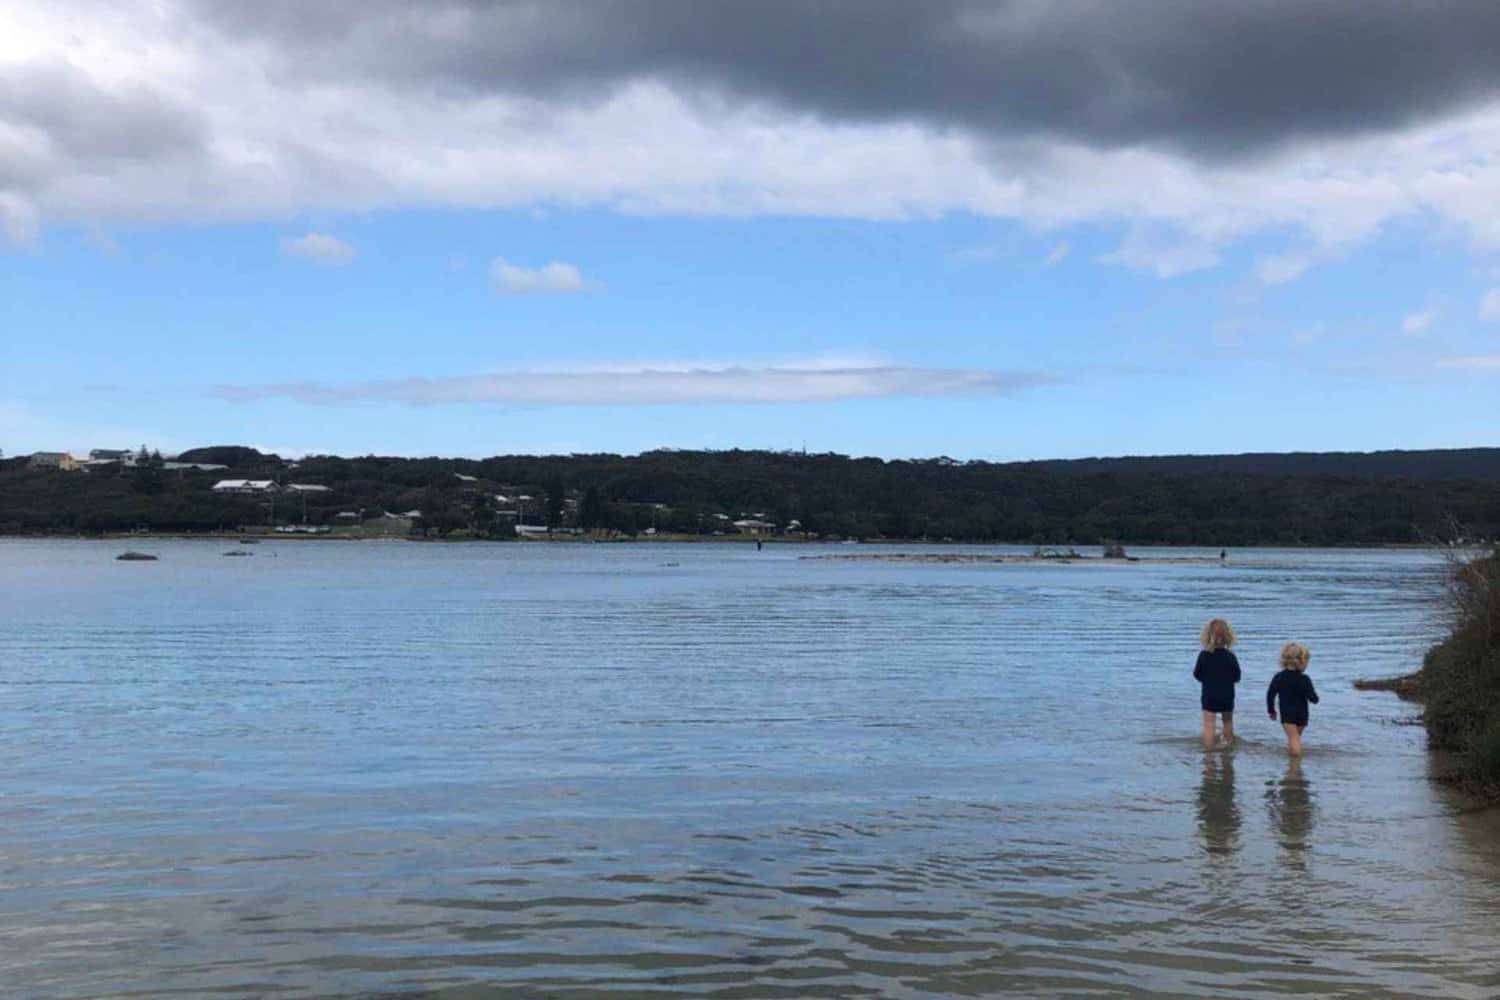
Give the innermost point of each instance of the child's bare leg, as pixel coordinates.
(1208, 730)
(1293, 739)
(1228, 718)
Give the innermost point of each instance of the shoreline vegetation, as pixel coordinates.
(1240, 501)
(996, 558)
(1458, 686)
(955, 545)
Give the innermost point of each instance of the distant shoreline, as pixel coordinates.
(566, 539)
(985, 559)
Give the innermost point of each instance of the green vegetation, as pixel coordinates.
(1459, 684)
(1299, 499)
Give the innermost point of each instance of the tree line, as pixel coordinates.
(1302, 499)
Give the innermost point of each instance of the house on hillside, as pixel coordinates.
(246, 487)
(123, 455)
(755, 526)
(58, 461)
(308, 488)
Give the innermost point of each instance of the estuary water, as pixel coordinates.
(463, 771)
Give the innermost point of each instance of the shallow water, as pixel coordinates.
(578, 771)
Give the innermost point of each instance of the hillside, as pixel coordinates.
(1310, 499)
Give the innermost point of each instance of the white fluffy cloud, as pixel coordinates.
(320, 248)
(139, 111)
(556, 278)
(660, 384)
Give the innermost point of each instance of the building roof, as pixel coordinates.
(308, 488)
(245, 484)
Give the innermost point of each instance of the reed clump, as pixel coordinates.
(1459, 685)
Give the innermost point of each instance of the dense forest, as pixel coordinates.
(1301, 499)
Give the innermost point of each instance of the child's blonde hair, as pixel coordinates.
(1217, 635)
(1294, 656)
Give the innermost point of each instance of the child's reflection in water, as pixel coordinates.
(1218, 812)
(1289, 803)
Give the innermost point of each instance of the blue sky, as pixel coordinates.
(750, 278)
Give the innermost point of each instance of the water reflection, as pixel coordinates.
(1218, 812)
(1289, 803)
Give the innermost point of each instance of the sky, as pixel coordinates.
(999, 230)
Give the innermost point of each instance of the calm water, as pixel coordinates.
(578, 771)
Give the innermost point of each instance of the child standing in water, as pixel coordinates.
(1294, 689)
(1218, 671)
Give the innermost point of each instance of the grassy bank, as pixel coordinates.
(1459, 684)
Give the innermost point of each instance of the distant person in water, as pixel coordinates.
(1294, 690)
(1218, 671)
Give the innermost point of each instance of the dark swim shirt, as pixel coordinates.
(1294, 690)
(1218, 671)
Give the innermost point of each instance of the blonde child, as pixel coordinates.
(1218, 671)
(1294, 689)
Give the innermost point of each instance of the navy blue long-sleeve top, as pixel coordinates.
(1218, 671)
(1294, 690)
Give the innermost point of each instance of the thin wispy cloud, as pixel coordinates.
(1473, 362)
(1160, 251)
(19, 219)
(319, 248)
(659, 385)
(1489, 306)
(1281, 268)
(555, 278)
(1419, 322)
(1058, 255)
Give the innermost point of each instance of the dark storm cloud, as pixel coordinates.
(90, 124)
(1214, 78)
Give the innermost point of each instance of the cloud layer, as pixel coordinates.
(801, 383)
(1189, 126)
(1213, 78)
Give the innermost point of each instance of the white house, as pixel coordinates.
(307, 488)
(754, 526)
(251, 487)
(60, 460)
